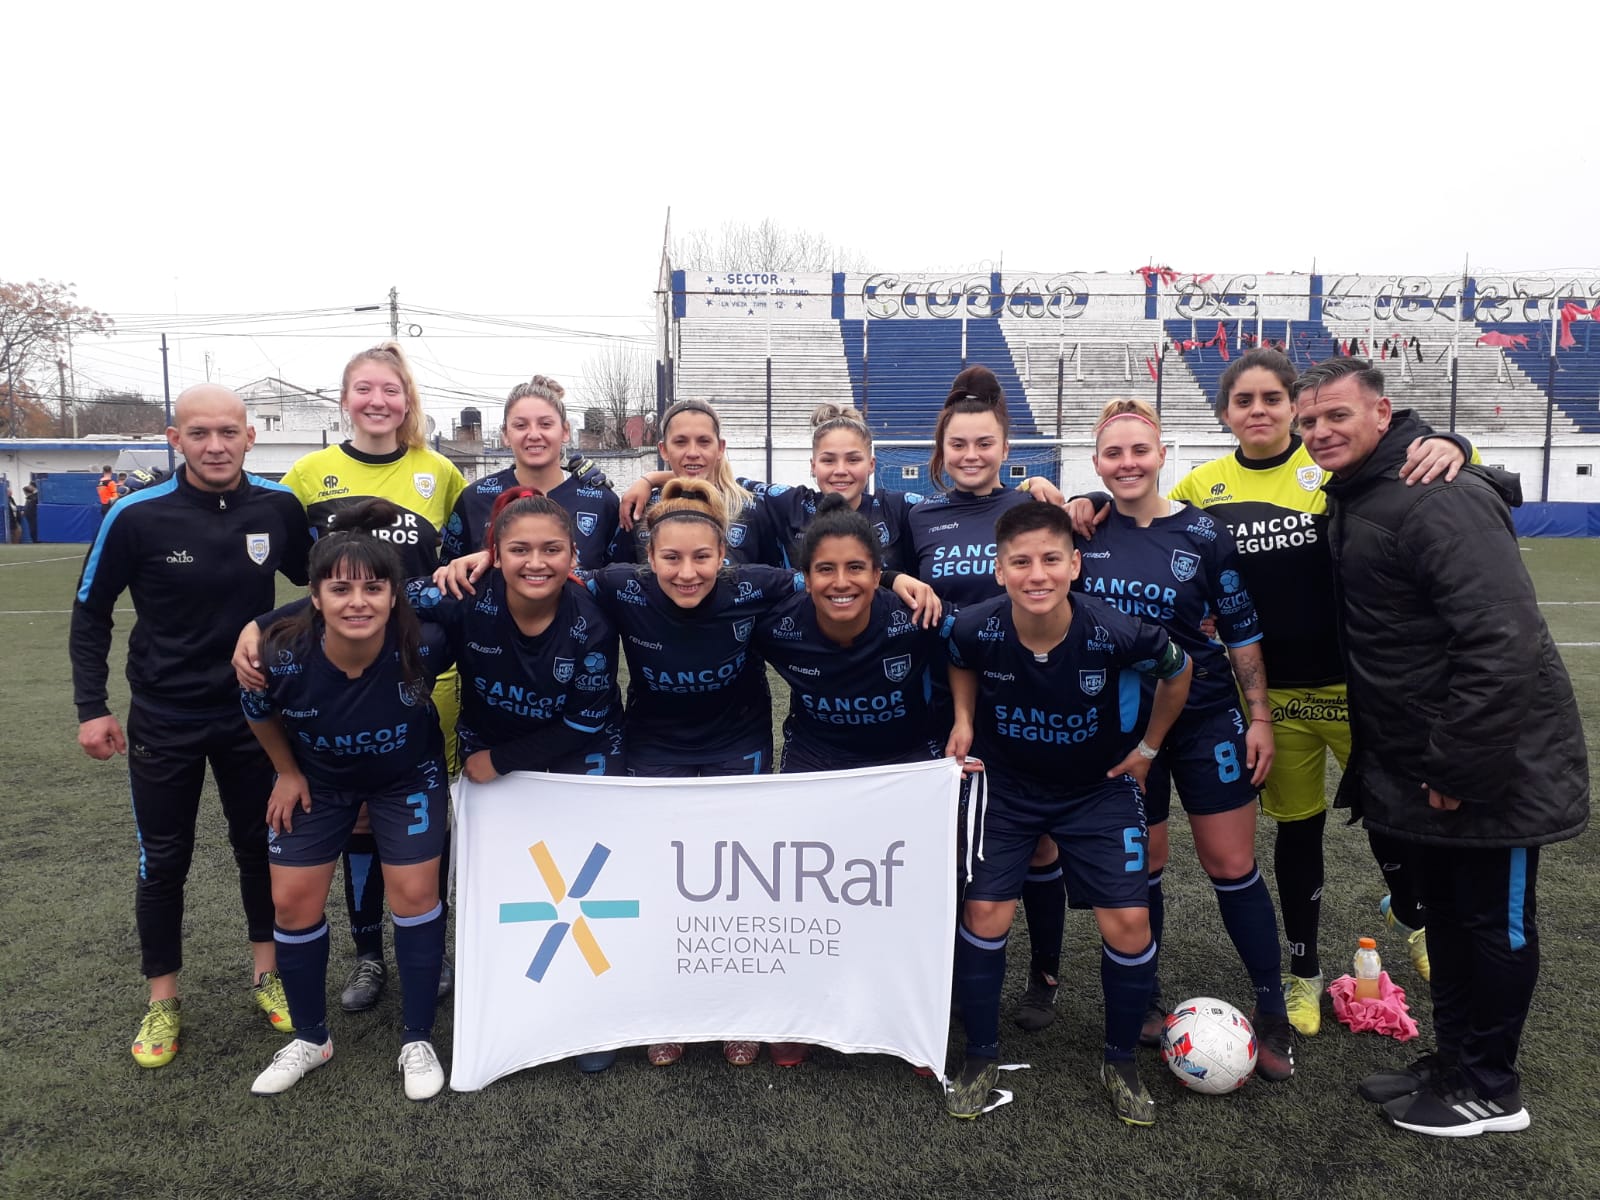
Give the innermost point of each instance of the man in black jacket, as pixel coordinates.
(198, 552)
(1466, 738)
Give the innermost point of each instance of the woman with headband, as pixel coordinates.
(535, 428)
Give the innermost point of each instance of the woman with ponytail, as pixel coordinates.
(346, 716)
(386, 457)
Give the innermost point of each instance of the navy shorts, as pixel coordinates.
(757, 760)
(1101, 834)
(1205, 756)
(798, 757)
(409, 826)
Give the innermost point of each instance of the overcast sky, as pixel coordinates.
(286, 157)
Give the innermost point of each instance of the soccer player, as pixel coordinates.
(1466, 739)
(693, 448)
(1047, 693)
(953, 548)
(1168, 563)
(387, 458)
(854, 655)
(348, 723)
(535, 427)
(198, 552)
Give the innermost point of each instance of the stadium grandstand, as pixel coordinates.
(1510, 360)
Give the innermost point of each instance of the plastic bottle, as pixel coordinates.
(1368, 968)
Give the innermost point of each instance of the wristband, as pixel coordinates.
(1262, 720)
(1026, 485)
(1145, 751)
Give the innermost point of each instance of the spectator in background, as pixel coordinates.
(30, 511)
(122, 484)
(1465, 737)
(106, 490)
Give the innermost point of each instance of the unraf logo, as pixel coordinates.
(588, 910)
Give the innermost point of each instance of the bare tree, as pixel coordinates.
(619, 384)
(36, 321)
(118, 412)
(768, 246)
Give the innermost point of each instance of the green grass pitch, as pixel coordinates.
(79, 1118)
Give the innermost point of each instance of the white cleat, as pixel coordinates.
(290, 1065)
(423, 1075)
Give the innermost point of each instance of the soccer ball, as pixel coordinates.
(1209, 1045)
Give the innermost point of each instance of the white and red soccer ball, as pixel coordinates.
(1209, 1045)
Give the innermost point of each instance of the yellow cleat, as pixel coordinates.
(269, 997)
(1416, 939)
(1303, 998)
(156, 1043)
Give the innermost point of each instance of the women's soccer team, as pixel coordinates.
(1087, 672)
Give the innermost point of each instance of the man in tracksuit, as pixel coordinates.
(198, 552)
(1466, 737)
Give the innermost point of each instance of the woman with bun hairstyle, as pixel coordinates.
(1170, 564)
(535, 428)
(346, 717)
(386, 457)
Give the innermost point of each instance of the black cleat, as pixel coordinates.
(365, 985)
(1036, 1010)
(1274, 1045)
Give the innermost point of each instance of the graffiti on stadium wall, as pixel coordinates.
(1155, 293)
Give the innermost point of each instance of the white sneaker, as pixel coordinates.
(423, 1074)
(290, 1065)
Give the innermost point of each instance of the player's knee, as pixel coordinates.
(1125, 930)
(1045, 852)
(989, 918)
(412, 890)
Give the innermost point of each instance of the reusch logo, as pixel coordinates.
(595, 910)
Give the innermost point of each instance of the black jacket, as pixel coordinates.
(1454, 681)
(199, 564)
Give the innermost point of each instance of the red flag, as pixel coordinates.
(1150, 365)
(1166, 274)
(1569, 313)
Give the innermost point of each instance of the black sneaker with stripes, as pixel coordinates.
(1452, 1108)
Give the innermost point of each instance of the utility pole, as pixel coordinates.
(61, 371)
(166, 391)
(394, 314)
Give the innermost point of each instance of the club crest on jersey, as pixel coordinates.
(1091, 682)
(883, 532)
(736, 533)
(412, 693)
(423, 482)
(897, 668)
(586, 523)
(1309, 477)
(258, 546)
(742, 627)
(563, 670)
(1184, 565)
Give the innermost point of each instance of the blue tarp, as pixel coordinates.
(1557, 520)
(68, 522)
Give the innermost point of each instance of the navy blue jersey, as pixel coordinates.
(858, 705)
(750, 539)
(593, 510)
(376, 733)
(696, 691)
(1176, 571)
(790, 509)
(952, 537)
(534, 702)
(1055, 727)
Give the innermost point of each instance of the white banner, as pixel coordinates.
(594, 913)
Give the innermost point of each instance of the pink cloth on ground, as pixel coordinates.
(1387, 1014)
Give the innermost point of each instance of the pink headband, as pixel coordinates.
(1120, 415)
